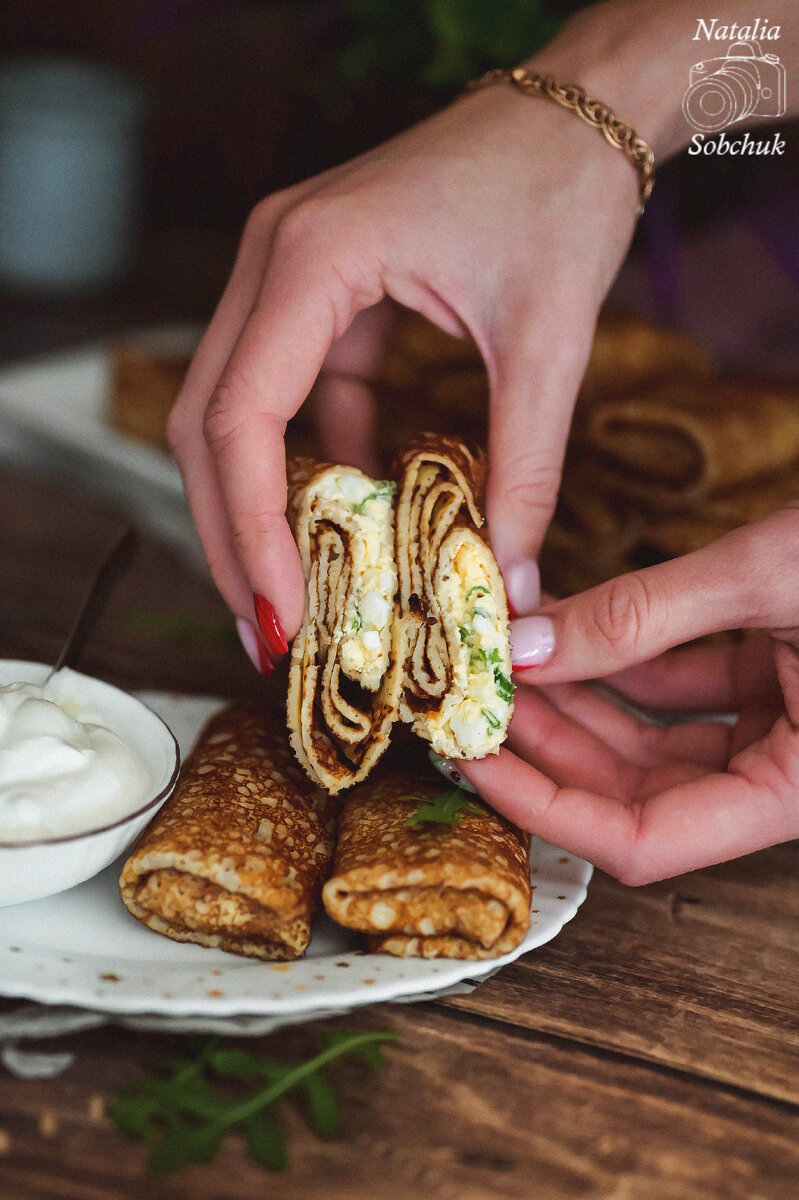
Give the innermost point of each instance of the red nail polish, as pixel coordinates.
(269, 626)
(267, 667)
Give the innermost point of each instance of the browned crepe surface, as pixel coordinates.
(681, 440)
(432, 891)
(237, 857)
(338, 729)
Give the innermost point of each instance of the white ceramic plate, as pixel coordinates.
(83, 948)
(53, 417)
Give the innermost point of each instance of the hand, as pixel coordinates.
(642, 802)
(502, 217)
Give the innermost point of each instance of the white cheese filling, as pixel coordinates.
(477, 708)
(365, 507)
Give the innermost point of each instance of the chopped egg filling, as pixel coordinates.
(365, 508)
(478, 705)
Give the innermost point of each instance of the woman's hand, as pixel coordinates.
(502, 217)
(644, 802)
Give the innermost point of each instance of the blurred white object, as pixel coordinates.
(53, 417)
(69, 173)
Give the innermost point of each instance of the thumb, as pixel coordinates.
(635, 617)
(534, 380)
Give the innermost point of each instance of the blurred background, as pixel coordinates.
(135, 137)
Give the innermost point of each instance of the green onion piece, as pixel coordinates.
(493, 722)
(477, 658)
(505, 688)
(481, 612)
(465, 632)
(495, 656)
(483, 588)
(357, 622)
(384, 491)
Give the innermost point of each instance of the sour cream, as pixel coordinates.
(62, 771)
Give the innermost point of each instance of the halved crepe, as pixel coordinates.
(237, 857)
(457, 690)
(430, 891)
(345, 673)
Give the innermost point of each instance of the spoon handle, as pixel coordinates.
(116, 560)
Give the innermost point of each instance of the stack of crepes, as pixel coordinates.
(427, 890)
(665, 454)
(237, 856)
(405, 612)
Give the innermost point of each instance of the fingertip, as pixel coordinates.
(523, 587)
(278, 591)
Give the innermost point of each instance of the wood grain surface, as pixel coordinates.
(649, 1053)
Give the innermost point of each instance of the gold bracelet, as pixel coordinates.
(594, 112)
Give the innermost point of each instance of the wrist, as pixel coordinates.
(608, 50)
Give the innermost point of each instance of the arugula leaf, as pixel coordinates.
(321, 1106)
(266, 1145)
(445, 809)
(134, 1115)
(188, 1118)
(370, 1053)
(184, 1144)
(384, 491)
(505, 688)
(493, 721)
(483, 588)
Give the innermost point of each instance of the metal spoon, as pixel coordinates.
(116, 560)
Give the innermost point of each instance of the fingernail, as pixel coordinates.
(269, 626)
(523, 585)
(532, 641)
(451, 771)
(254, 648)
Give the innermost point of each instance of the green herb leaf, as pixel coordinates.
(370, 1053)
(465, 632)
(265, 1143)
(445, 809)
(495, 656)
(483, 588)
(189, 1118)
(177, 627)
(183, 1144)
(321, 1106)
(493, 721)
(505, 688)
(134, 1115)
(240, 1064)
(384, 491)
(477, 658)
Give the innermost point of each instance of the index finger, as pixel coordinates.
(305, 303)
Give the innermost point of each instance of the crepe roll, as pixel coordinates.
(676, 443)
(457, 690)
(431, 890)
(345, 671)
(237, 856)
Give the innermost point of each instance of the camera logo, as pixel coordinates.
(744, 83)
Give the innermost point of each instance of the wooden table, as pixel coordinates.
(651, 1052)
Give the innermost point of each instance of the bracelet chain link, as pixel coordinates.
(601, 116)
